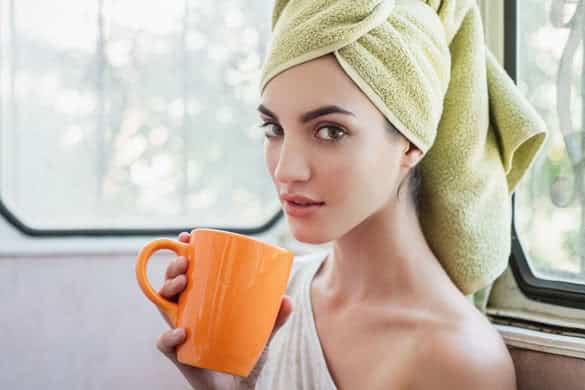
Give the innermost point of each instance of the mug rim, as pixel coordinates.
(228, 233)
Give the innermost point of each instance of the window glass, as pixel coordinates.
(133, 114)
(550, 212)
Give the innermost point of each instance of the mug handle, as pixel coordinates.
(181, 249)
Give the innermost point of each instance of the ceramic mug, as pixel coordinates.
(234, 288)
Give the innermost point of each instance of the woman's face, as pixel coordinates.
(327, 142)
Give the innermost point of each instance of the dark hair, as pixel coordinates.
(414, 178)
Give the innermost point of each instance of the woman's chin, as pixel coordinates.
(309, 236)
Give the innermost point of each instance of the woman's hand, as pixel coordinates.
(200, 378)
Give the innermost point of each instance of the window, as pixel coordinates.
(550, 202)
(133, 114)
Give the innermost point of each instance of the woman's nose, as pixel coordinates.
(293, 164)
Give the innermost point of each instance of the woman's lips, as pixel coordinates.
(294, 209)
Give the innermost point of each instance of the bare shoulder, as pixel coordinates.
(470, 354)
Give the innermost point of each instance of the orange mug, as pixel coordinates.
(228, 308)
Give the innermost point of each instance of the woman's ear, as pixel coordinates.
(412, 156)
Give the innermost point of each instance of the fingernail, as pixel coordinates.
(178, 333)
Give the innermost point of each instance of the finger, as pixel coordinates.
(184, 237)
(286, 308)
(173, 287)
(168, 341)
(176, 267)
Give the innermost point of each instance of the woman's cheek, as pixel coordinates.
(338, 176)
(270, 157)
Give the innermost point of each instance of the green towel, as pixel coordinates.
(425, 66)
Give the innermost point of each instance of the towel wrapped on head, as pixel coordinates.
(425, 66)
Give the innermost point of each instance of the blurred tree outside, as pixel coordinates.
(133, 114)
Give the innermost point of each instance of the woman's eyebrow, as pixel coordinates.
(309, 116)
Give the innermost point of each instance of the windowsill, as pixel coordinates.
(67, 246)
(542, 342)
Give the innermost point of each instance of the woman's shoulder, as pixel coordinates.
(467, 352)
(456, 347)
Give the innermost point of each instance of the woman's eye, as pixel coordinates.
(272, 129)
(331, 133)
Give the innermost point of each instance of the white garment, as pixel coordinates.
(295, 358)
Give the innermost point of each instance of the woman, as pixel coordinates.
(378, 311)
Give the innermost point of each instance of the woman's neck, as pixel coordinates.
(386, 256)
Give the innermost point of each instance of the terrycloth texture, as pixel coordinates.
(425, 66)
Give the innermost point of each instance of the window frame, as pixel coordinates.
(13, 220)
(556, 292)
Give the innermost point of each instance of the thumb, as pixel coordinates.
(284, 312)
